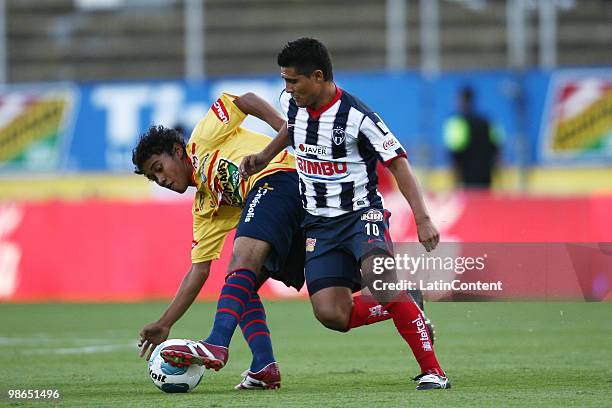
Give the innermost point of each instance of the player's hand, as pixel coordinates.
(428, 234)
(252, 164)
(151, 336)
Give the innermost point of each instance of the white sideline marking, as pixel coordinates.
(96, 345)
(25, 340)
(48, 339)
(86, 349)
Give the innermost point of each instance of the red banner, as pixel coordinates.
(126, 251)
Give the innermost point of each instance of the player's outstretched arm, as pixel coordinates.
(157, 332)
(411, 190)
(254, 163)
(253, 105)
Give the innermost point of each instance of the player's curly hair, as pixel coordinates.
(156, 140)
(306, 55)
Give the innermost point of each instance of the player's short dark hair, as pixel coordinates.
(156, 140)
(306, 55)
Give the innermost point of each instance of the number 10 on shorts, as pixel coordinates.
(372, 229)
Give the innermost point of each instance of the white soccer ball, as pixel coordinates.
(168, 378)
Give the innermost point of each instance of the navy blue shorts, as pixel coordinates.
(273, 213)
(335, 246)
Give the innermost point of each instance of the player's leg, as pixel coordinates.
(255, 330)
(268, 221)
(248, 256)
(275, 218)
(263, 372)
(337, 310)
(367, 310)
(417, 296)
(285, 264)
(332, 307)
(410, 324)
(332, 274)
(331, 279)
(331, 299)
(376, 247)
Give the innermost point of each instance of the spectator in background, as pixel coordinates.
(472, 143)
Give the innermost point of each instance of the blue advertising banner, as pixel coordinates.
(557, 117)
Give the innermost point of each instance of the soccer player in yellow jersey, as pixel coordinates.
(266, 210)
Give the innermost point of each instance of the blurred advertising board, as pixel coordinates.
(92, 127)
(577, 123)
(35, 126)
(129, 251)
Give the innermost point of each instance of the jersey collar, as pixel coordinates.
(316, 113)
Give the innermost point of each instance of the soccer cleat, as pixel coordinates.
(201, 353)
(432, 382)
(265, 379)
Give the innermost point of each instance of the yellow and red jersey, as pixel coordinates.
(216, 148)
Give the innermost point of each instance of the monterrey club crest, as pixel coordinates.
(338, 136)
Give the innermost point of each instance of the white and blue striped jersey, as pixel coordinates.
(336, 150)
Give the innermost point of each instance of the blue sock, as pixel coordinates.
(232, 303)
(257, 334)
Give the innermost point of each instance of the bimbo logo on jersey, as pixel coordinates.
(220, 111)
(327, 170)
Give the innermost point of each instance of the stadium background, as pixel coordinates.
(82, 79)
(90, 252)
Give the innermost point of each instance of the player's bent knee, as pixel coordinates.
(334, 318)
(243, 261)
(249, 254)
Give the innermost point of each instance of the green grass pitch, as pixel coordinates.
(496, 354)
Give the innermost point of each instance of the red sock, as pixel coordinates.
(410, 324)
(366, 310)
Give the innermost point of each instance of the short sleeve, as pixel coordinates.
(380, 138)
(222, 119)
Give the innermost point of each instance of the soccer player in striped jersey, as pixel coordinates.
(337, 141)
